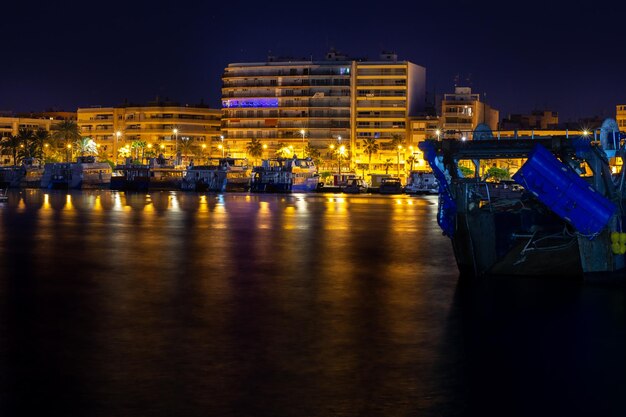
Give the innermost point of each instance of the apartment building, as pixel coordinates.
(620, 117)
(463, 111)
(11, 124)
(168, 128)
(332, 104)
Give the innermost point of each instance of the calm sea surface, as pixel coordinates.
(185, 304)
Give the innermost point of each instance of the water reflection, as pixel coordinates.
(309, 305)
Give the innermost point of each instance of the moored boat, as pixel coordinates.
(419, 182)
(85, 173)
(26, 175)
(282, 175)
(218, 175)
(562, 217)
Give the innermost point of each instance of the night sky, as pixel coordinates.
(65, 55)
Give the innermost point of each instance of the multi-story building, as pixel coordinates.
(168, 128)
(620, 117)
(537, 119)
(463, 111)
(11, 124)
(420, 129)
(333, 104)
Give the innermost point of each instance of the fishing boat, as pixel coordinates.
(561, 216)
(282, 175)
(26, 175)
(218, 175)
(85, 173)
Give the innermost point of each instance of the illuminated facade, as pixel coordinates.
(322, 103)
(45, 121)
(163, 127)
(620, 117)
(420, 129)
(462, 111)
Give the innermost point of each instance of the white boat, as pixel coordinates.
(420, 182)
(219, 175)
(285, 175)
(86, 172)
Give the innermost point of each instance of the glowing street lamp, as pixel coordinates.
(340, 152)
(175, 132)
(69, 150)
(118, 134)
(302, 132)
(438, 133)
(398, 165)
(221, 146)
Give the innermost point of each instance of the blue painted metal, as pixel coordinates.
(446, 214)
(565, 192)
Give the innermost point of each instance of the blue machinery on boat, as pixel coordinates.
(569, 206)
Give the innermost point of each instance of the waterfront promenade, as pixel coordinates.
(188, 304)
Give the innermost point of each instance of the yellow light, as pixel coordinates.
(264, 146)
(162, 146)
(219, 146)
(399, 147)
(149, 145)
(69, 146)
(118, 133)
(332, 146)
(175, 131)
(203, 146)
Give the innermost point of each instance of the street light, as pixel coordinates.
(302, 132)
(398, 165)
(69, 147)
(175, 132)
(438, 133)
(221, 146)
(118, 134)
(340, 152)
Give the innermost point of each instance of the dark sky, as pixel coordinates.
(522, 56)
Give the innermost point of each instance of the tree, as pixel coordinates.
(397, 141)
(86, 146)
(26, 139)
(10, 145)
(371, 147)
(40, 138)
(411, 160)
(498, 173)
(138, 145)
(186, 143)
(66, 132)
(388, 164)
(254, 148)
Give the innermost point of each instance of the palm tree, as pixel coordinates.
(137, 145)
(396, 143)
(66, 132)
(86, 146)
(388, 164)
(371, 147)
(40, 137)
(26, 138)
(254, 149)
(10, 145)
(411, 160)
(186, 143)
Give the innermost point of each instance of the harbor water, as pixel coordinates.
(190, 304)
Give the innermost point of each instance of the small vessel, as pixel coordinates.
(285, 176)
(218, 175)
(420, 182)
(562, 217)
(391, 185)
(85, 173)
(159, 174)
(355, 186)
(26, 175)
